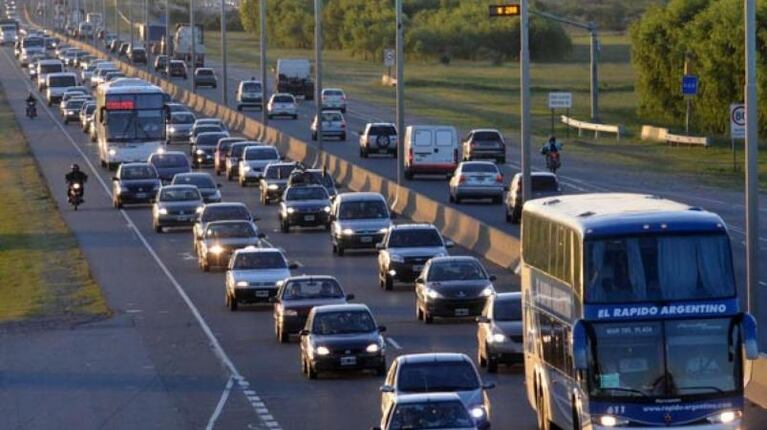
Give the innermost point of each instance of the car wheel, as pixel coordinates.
(343, 138)
(204, 265)
(229, 176)
(427, 317)
(408, 174)
(285, 227)
(450, 198)
(497, 200)
(515, 216)
(281, 336)
(242, 182)
(269, 116)
(457, 199)
(314, 136)
(340, 250)
(66, 121)
(295, 116)
(157, 228)
(492, 365)
(231, 303)
(502, 160)
(363, 153)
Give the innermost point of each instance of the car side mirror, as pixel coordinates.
(381, 328)
(493, 278)
(449, 244)
(380, 246)
(386, 389)
(261, 236)
(482, 320)
(292, 265)
(350, 297)
(488, 385)
(303, 332)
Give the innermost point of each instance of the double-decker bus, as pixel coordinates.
(130, 122)
(631, 315)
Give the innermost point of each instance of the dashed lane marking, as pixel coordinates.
(393, 343)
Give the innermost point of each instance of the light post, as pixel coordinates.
(224, 91)
(193, 33)
(262, 29)
(400, 93)
(318, 78)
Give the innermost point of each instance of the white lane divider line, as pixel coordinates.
(220, 405)
(213, 341)
(393, 343)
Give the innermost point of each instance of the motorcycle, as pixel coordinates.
(552, 161)
(75, 193)
(31, 110)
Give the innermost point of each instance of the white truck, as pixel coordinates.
(182, 42)
(294, 76)
(94, 18)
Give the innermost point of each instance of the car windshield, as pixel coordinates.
(260, 261)
(61, 81)
(507, 309)
(75, 104)
(364, 209)
(251, 87)
(430, 415)
(437, 376)
(209, 139)
(169, 160)
(333, 93)
(179, 194)
(328, 117)
(182, 118)
(382, 130)
(204, 72)
(545, 183)
(237, 150)
(225, 212)
(138, 172)
(665, 358)
(415, 238)
(487, 136)
(207, 129)
(231, 230)
(312, 289)
(177, 66)
(450, 270)
(306, 193)
(279, 172)
(343, 322)
(200, 181)
(261, 153)
(283, 99)
(479, 168)
(90, 108)
(659, 268)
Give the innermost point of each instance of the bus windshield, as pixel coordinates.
(658, 268)
(665, 358)
(135, 125)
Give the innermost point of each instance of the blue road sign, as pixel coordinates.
(690, 85)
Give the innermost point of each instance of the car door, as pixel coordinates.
(386, 398)
(445, 145)
(483, 328)
(423, 146)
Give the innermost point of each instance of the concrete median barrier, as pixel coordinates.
(493, 244)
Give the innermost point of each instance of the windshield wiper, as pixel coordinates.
(626, 390)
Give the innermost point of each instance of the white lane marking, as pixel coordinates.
(393, 343)
(133, 311)
(220, 405)
(214, 343)
(743, 232)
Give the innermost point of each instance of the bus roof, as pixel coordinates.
(132, 89)
(606, 214)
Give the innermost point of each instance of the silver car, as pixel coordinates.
(500, 332)
(358, 221)
(254, 161)
(477, 180)
(253, 273)
(333, 125)
(333, 99)
(178, 126)
(222, 238)
(232, 211)
(282, 104)
(176, 206)
(404, 251)
(440, 410)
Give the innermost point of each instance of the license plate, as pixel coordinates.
(184, 218)
(308, 217)
(348, 361)
(366, 239)
(461, 312)
(262, 293)
(418, 267)
(140, 195)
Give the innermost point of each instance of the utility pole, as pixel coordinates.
(145, 37)
(262, 29)
(318, 78)
(399, 48)
(752, 167)
(166, 46)
(524, 87)
(130, 14)
(194, 40)
(117, 22)
(224, 87)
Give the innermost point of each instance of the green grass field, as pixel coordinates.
(43, 274)
(477, 94)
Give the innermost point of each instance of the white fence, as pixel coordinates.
(596, 128)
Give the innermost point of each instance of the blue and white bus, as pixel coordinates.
(631, 315)
(130, 122)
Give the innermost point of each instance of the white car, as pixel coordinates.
(333, 125)
(282, 104)
(254, 161)
(334, 99)
(253, 273)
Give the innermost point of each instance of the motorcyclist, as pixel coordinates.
(76, 175)
(551, 147)
(31, 102)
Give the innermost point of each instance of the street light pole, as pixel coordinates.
(400, 93)
(224, 91)
(318, 78)
(524, 86)
(193, 32)
(752, 167)
(594, 72)
(130, 14)
(166, 47)
(262, 29)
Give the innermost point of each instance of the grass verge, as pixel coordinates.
(43, 273)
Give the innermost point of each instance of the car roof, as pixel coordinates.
(225, 204)
(310, 278)
(479, 162)
(432, 357)
(381, 124)
(228, 221)
(357, 307)
(359, 196)
(58, 74)
(507, 297)
(283, 94)
(135, 164)
(201, 174)
(413, 226)
(179, 186)
(168, 153)
(256, 250)
(426, 397)
(281, 163)
(538, 174)
(454, 258)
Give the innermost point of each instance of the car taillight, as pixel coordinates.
(410, 156)
(499, 178)
(461, 179)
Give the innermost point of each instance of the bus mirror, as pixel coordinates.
(580, 345)
(750, 344)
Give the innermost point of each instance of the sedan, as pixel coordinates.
(204, 182)
(222, 147)
(169, 164)
(204, 77)
(176, 206)
(452, 287)
(177, 69)
(178, 127)
(342, 337)
(405, 250)
(543, 184)
(477, 180)
(484, 144)
(333, 99)
(70, 109)
(222, 238)
(432, 410)
(253, 273)
(233, 156)
(134, 183)
(333, 125)
(500, 332)
(204, 147)
(254, 161)
(282, 104)
(297, 296)
(304, 206)
(86, 115)
(359, 221)
(275, 180)
(160, 63)
(232, 211)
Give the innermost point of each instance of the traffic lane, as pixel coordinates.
(185, 391)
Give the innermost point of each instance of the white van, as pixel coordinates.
(430, 150)
(45, 67)
(56, 84)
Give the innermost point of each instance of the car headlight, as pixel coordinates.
(200, 152)
(488, 291)
(432, 294)
(162, 211)
(724, 417)
(347, 232)
(112, 152)
(290, 210)
(326, 209)
(122, 190)
(216, 249)
(497, 338)
(394, 258)
(477, 412)
(611, 421)
(383, 230)
(246, 168)
(242, 283)
(373, 348)
(172, 130)
(290, 313)
(161, 150)
(322, 350)
(272, 187)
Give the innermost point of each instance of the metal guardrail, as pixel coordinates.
(596, 128)
(662, 135)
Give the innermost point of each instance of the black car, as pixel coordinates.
(232, 159)
(452, 287)
(114, 47)
(484, 144)
(169, 163)
(405, 250)
(342, 337)
(222, 148)
(232, 211)
(543, 184)
(222, 238)
(123, 50)
(304, 206)
(209, 189)
(138, 56)
(297, 296)
(177, 69)
(134, 183)
(275, 180)
(204, 147)
(204, 77)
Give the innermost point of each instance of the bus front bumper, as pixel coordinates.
(734, 425)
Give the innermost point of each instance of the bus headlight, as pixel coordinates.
(724, 417)
(611, 421)
(112, 152)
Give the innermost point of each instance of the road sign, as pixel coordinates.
(389, 57)
(690, 85)
(503, 10)
(560, 100)
(737, 121)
